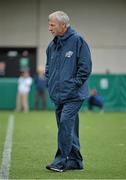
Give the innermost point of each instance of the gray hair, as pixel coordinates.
(61, 17)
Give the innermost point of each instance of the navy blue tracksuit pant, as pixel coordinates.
(68, 153)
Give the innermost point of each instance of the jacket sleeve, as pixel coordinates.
(84, 63)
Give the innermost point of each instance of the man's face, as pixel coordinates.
(56, 28)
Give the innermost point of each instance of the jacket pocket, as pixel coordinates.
(68, 89)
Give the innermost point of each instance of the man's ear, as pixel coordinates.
(64, 26)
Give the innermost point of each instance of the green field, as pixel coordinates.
(102, 137)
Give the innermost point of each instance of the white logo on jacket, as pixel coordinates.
(69, 54)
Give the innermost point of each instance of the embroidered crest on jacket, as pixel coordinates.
(69, 54)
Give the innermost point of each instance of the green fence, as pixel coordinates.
(113, 90)
(111, 87)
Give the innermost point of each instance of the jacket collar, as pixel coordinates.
(59, 39)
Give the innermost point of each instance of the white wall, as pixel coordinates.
(101, 22)
(18, 23)
(112, 59)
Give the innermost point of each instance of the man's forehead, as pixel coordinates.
(53, 18)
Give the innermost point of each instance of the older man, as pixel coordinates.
(67, 70)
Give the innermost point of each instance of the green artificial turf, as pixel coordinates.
(102, 138)
(3, 125)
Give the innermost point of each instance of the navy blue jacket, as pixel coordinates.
(68, 67)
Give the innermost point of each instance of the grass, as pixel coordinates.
(102, 137)
(3, 123)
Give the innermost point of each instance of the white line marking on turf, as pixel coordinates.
(121, 144)
(5, 166)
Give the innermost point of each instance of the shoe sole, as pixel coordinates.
(62, 170)
(54, 169)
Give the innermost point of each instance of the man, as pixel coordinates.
(24, 86)
(67, 70)
(40, 86)
(95, 100)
